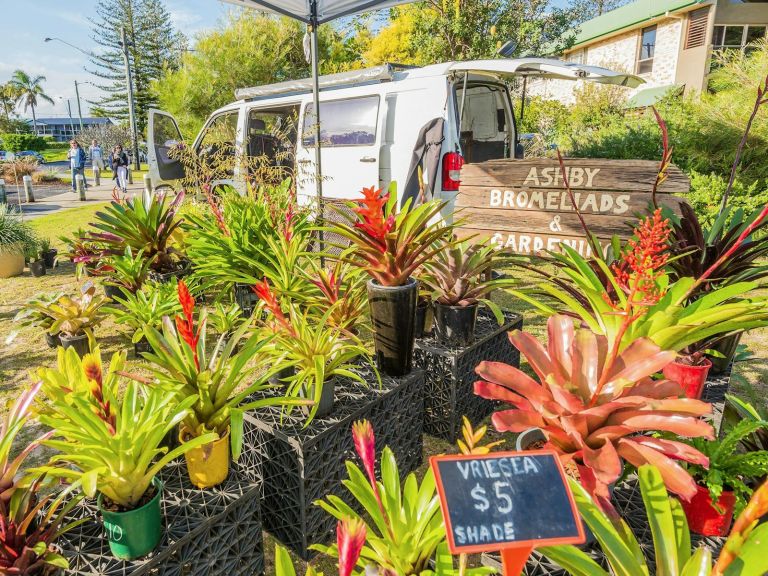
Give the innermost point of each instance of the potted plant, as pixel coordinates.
(671, 538)
(144, 308)
(612, 397)
(690, 371)
(144, 228)
(111, 443)
(15, 235)
(459, 278)
(75, 317)
(220, 381)
(127, 273)
(48, 254)
(84, 254)
(722, 486)
(317, 352)
(34, 259)
(32, 516)
(35, 313)
(390, 247)
(340, 290)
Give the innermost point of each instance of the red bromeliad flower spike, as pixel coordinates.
(372, 211)
(350, 538)
(186, 325)
(264, 291)
(365, 445)
(92, 370)
(290, 216)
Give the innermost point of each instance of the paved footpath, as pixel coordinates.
(56, 202)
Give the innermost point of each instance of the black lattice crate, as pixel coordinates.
(305, 464)
(450, 374)
(211, 532)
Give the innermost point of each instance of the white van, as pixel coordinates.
(378, 124)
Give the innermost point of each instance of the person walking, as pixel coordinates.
(76, 156)
(120, 168)
(97, 155)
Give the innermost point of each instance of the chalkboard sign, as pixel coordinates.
(506, 499)
(523, 205)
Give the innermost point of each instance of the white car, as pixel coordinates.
(377, 125)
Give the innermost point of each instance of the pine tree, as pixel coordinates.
(153, 46)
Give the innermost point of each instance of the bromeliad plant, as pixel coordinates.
(145, 308)
(633, 298)
(225, 319)
(391, 246)
(317, 351)
(403, 526)
(128, 272)
(148, 229)
(341, 293)
(31, 518)
(219, 380)
(594, 407)
(113, 440)
(74, 315)
(743, 553)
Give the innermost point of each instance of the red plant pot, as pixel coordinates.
(691, 378)
(704, 518)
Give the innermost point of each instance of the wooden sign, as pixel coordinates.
(508, 501)
(524, 205)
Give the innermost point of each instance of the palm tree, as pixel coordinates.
(29, 90)
(8, 97)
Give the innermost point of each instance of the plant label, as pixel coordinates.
(508, 501)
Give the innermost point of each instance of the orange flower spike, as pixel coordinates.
(264, 291)
(372, 211)
(350, 538)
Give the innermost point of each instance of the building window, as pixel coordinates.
(647, 49)
(696, 35)
(737, 37)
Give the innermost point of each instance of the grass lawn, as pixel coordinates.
(54, 154)
(23, 350)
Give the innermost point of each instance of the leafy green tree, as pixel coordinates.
(8, 98)
(439, 30)
(249, 50)
(153, 47)
(588, 9)
(28, 90)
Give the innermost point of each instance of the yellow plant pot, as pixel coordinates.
(11, 263)
(207, 465)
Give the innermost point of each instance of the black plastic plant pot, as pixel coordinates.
(142, 345)
(393, 315)
(421, 318)
(183, 268)
(53, 340)
(280, 378)
(134, 533)
(727, 347)
(79, 343)
(114, 291)
(49, 257)
(37, 268)
(325, 405)
(455, 325)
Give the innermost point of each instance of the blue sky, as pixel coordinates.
(25, 23)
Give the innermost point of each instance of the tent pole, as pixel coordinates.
(316, 98)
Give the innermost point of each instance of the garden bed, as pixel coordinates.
(304, 464)
(450, 374)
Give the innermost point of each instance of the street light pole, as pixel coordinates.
(131, 110)
(71, 122)
(79, 110)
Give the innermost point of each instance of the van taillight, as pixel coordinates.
(452, 163)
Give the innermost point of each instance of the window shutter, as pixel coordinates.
(697, 28)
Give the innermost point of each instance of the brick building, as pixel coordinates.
(669, 43)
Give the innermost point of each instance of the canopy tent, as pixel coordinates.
(313, 13)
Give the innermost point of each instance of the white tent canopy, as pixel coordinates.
(317, 11)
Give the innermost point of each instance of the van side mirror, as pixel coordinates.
(519, 150)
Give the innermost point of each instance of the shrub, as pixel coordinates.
(707, 192)
(19, 142)
(45, 176)
(13, 171)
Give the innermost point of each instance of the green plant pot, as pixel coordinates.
(134, 533)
